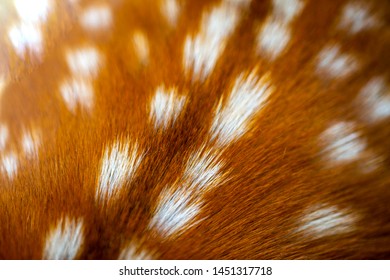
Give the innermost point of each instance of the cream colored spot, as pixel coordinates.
(175, 212)
(78, 92)
(3, 84)
(287, 10)
(275, 34)
(203, 171)
(273, 39)
(170, 9)
(242, 3)
(96, 18)
(322, 220)
(65, 240)
(375, 98)
(232, 117)
(26, 37)
(141, 46)
(9, 164)
(33, 12)
(30, 143)
(119, 165)
(356, 17)
(84, 65)
(4, 134)
(178, 207)
(166, 107)
(84, 62)
(342, 143)
(371, 162)
(334, 64)
(133, 252)
(202, 51)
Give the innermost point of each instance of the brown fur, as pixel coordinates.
(275, 170)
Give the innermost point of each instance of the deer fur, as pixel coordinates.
(221, 129)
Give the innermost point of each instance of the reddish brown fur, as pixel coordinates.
(274, 170)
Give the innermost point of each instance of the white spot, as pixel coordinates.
(84, 62)
(119, 165)
(202, 51)
(232, 117)
(375, 97)
(178, 207)
(64, 242)
(275, 33)
(141, 46)
(170, 10)
(286, 10)
(323, 220)
(239, 3)
(175, 212)
(9, 164)
(203, 170)
(25, 36)
(32, 12)
(273, 38)
(132, 252)
(342, 143)
(166, 107)
(30, 144)
(4, 134)
(77, 91)
(371, 162)
(3, 84)
(96, 18)
(356, 17)
(74, 3)
(335, 64)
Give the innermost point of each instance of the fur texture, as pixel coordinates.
(221, 129)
